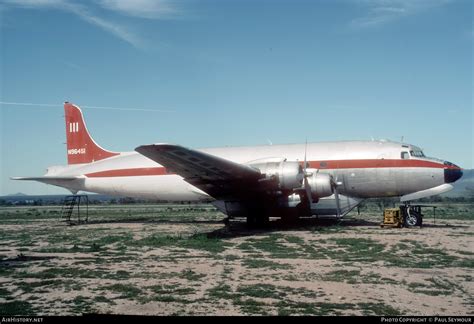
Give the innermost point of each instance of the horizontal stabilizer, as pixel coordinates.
(61, 181)
(427, 193)
(45, 178)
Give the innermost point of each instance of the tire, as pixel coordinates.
(412, 218)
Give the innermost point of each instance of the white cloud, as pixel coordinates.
(385, 11)
(150, 9)
(34, 3)
(115, 29)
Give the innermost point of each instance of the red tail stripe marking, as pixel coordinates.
(81, 148)
(335, 164)
(128, 172)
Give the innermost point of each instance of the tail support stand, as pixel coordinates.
(67, 211)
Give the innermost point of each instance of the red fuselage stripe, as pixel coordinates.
(322, 165)
(128, 172)
(378, 163)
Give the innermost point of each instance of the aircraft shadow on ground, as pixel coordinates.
(238, 228)
(146, 220)
(236, 224)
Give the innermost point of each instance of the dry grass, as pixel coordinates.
(177, 260)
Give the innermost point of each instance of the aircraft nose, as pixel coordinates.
(452, 172)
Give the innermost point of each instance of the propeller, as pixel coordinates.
(307, 187)
(335, 184)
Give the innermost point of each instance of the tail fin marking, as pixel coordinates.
(81, 147)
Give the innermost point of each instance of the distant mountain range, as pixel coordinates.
(18, 194)
(21, 198)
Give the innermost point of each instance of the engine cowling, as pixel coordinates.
(282, 175)
(321, 185)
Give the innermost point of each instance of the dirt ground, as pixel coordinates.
(179, 260)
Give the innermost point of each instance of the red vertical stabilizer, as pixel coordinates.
(81, 148)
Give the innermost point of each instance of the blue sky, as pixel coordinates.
(233, 73)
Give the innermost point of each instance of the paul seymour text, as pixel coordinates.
(433, 319)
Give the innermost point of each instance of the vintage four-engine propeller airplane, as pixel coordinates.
(324, 179)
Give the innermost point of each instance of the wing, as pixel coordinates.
(218, 177)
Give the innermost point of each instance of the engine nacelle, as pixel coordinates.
(281, 175)
(321, 185)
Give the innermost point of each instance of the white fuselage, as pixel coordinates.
(364, 169)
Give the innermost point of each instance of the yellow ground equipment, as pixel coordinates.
(392, 217)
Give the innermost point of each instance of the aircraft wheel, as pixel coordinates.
(413, 219)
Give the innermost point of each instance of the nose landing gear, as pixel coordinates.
(412, 215)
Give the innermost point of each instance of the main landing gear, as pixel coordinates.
(258, 220)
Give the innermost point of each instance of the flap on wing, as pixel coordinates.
(214, 175)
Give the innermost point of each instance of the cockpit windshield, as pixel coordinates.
(417, 153)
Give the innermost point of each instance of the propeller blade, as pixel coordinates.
(305, 148)
(307, 187)
(336, 196)
(338, 205)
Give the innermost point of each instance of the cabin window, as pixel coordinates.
(405, 156)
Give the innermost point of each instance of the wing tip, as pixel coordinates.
(154, 146)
